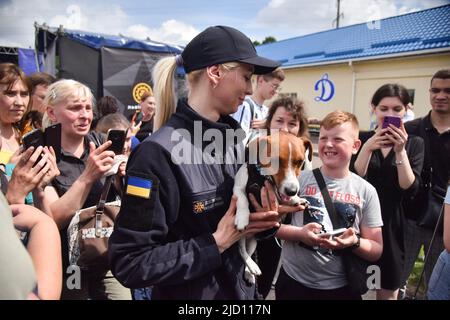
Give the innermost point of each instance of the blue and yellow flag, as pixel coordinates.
(139, 187)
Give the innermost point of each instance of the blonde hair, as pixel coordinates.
(163, 76)
(62, 90)
(164, 90)
(278, 73)
(337, 118)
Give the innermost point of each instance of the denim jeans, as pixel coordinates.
(439, 285)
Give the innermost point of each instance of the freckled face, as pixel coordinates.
(337, 145)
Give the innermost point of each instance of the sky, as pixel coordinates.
(178, 21)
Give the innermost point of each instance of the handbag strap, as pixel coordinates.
(105, 191)
(326, 197)
(101, 206)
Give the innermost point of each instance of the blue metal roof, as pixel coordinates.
(98, 40)
(422, 30)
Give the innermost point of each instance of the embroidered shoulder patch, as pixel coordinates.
(199, 206)
(139, 187)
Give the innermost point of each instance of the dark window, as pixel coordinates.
(411, 95)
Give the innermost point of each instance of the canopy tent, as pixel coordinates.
(117, 66)
(25, 58)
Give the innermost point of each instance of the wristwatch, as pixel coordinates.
(358, 242)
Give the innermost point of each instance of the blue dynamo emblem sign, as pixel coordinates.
(325, 88)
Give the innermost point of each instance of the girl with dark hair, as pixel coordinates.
(391, 161)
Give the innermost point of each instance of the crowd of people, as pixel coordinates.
(175, 235)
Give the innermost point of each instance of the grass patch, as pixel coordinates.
(415, 276)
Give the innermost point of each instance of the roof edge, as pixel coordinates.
(352, 25)
(386, 56)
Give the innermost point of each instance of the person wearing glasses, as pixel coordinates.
(252, 113)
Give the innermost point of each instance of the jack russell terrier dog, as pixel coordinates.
(284, 155)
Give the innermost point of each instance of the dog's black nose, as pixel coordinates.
(290, 191)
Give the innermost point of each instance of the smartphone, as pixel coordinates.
(334, 233)
(395, 121)
(52, 136)
(118, 140)
(34, 139)
(137, 117)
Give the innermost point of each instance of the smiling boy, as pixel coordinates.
(312, 266)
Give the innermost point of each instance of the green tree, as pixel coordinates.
(256, 43)
(269, 39)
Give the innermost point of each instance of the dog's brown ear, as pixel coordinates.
(308, 146)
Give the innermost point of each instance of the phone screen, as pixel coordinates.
(118, 140)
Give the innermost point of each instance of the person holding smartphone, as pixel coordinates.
(24, 176)
(83, 162)
(391, 161)
(148, 107)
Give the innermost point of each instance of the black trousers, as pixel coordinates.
(268, 255)
(290, 289)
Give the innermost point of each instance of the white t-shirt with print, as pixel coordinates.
(243, 114)
(354, 199)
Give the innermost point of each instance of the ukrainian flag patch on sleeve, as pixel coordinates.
(139, 187)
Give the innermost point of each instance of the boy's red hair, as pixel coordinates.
(337, 118)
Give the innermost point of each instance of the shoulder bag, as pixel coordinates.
(89, 231)
(355, 267)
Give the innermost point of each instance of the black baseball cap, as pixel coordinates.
(222, 44)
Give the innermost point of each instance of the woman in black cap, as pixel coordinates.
(176, 229)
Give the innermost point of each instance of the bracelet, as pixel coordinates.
(399, 162)
(358, 242)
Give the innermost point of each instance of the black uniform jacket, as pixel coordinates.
(178, 186)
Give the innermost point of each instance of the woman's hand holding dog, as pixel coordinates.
(265, 217)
